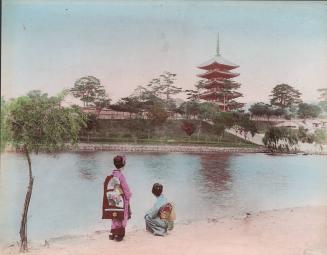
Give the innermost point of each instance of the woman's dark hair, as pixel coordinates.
(119, 161)
(157, 189)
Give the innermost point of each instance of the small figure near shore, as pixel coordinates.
(160, 218)
(116, 200)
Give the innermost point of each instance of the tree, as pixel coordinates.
(100, 102)
(219, 129)
(4, 128)
(130, 104)
(228, 119)
(194, 94)
(323, 99)
(147, 97)
(37, 122)
(308, 111)
(260, 109)
(158, 115)
(163, 86)
(278, 112)
(190, 108)
(206, 111)
(90, 91)
(244, 125)
(320, 137)
(284, 96)
(188, 127)
(280, 139)
(304, 136)
(227, 89)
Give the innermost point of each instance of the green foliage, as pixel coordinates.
(260, 109)
(219, 129)
(323, 99)
(4, 132)
(208, 111)
(323, 105)
(90, 91)
(284, 95)
(157, 114)
(190, 108)
(265, 110)
(320, 136)
(308, 111)
(39, 122)
(164, 86)
(131, 104)
(244, 125)
(239, 121)
(304, 136)
(228, 119)
(91, 121)
(280, 139)
(194, 94)
(142, 131)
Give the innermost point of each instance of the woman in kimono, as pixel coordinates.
(118, 226)
(153, 221)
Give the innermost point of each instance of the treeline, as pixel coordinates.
(159, 96)
(285, 101)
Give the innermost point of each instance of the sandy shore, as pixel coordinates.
(298, 231)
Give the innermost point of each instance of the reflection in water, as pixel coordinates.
(87, 165)
(214, 168)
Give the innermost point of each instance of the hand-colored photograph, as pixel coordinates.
(163, 127)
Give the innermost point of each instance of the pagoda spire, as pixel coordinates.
(218, 50)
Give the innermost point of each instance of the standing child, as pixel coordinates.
(116, 200)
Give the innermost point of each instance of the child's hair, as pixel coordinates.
(157, 189)
(119, 161)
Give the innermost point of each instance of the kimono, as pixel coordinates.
(118, 226)
(153, 222)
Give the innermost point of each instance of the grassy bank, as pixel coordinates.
(142, 132)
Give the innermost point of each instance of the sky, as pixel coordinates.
(48, 45)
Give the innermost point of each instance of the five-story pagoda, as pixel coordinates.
(218, 84)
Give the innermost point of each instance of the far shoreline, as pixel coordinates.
(168, 148)
(126, 147)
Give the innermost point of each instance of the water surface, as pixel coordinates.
(67, 193)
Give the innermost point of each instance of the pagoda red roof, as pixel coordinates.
(214, 95)
(218, 62)
(220, 83)
(216, 74)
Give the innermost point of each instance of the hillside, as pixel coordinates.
(142, 132)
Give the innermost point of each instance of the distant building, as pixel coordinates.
(109, 114)
(219, 86)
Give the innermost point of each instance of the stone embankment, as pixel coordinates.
(160, 148)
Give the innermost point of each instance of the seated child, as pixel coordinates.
(161, 216)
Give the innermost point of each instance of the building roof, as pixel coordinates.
(220, 95)
(217, 61)
(214, 83)
(216, 74)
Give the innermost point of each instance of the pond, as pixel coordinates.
(67, 193)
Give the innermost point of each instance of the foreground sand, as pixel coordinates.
(291, 231)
